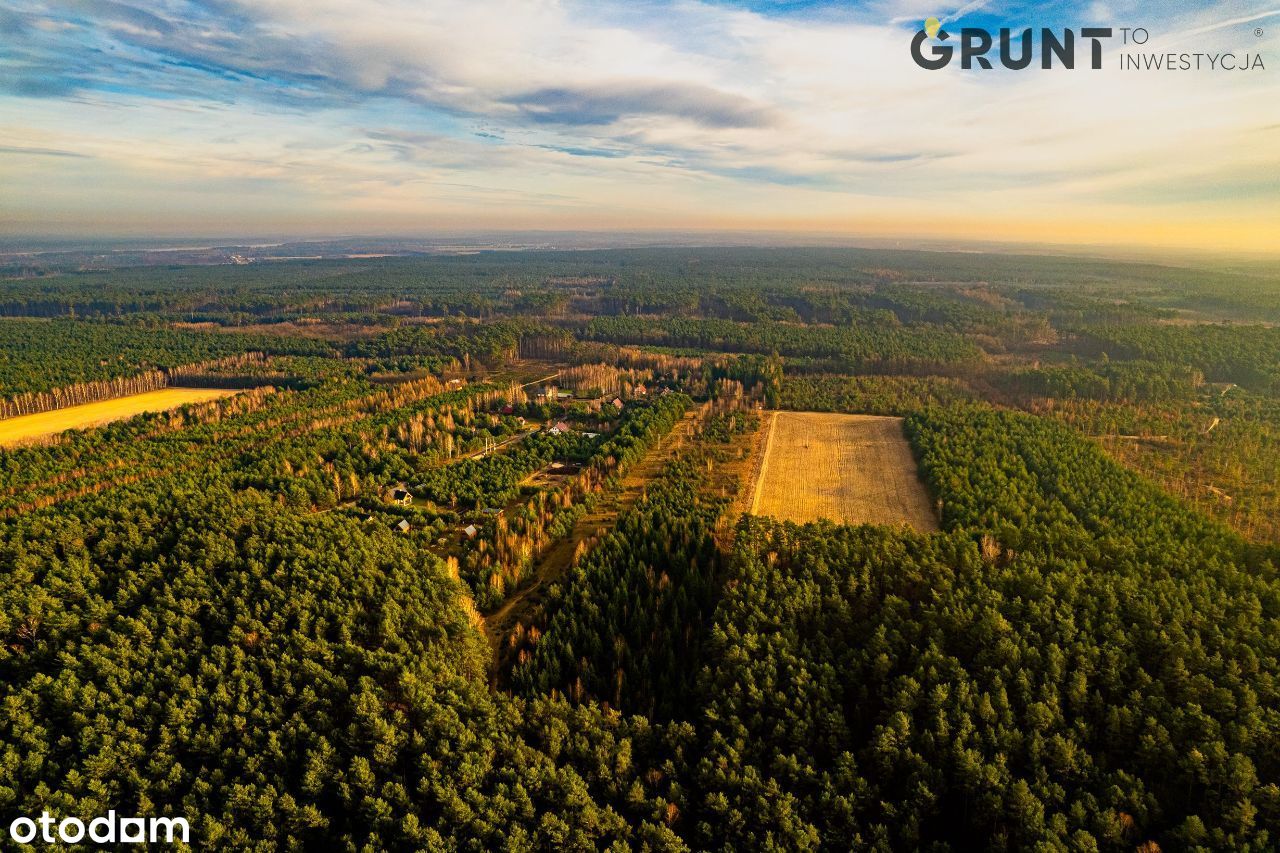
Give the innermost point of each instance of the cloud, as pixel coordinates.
(39, 152)
(607, 104)
(679, 111)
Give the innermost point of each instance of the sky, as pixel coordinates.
(417, 117)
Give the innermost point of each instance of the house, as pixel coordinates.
(640, 390)
(560, 427)
(470, 531)
(403, 526)
(507, 410)
(592, 434)
(554, 430)
(402, 496)
(617, 403)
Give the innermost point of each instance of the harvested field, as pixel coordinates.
(25, 428)
(852, 469)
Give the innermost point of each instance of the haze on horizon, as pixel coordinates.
(322, 117)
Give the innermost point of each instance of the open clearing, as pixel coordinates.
(24, 428)
(853, 469)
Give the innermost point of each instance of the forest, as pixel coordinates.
(467, 562)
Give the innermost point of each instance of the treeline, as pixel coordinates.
(230, 372)
(878, 344)
(1245, 355)
(1127, 381)
(873, 395)
(39, 356)
(79, 393)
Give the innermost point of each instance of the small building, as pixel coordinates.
(561, 426)
(470, 531)
(508, 410)
(401, 496)
(520, 421)
(592, 434)
(617, 403)
(564, 395)
(640, 390)
(403, 526)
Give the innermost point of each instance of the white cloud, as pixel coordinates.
(690, 110)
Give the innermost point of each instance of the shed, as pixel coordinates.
(403, 526)
(470, 531)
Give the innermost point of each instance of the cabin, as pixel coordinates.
(617, 403)
(640, 390)
(401, 496)
(561, 426)
(470, 531)
(403, 526)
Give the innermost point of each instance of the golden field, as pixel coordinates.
(852, 469)
(25, 428)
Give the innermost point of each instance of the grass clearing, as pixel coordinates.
(27, 428)
(852, 469)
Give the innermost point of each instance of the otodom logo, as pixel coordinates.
(1015, 52)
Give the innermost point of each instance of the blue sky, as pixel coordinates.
(328, 117)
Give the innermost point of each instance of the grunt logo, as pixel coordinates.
(1058, 49)
(976, 44)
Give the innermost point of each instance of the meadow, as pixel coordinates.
(27, 428)
(851, 469)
